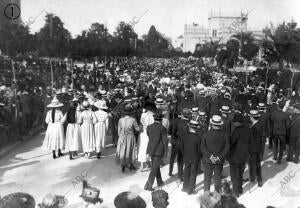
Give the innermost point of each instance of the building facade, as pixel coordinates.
(220, 27)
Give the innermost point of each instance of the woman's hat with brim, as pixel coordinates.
(55, 103)
(127, 110)
(225, 109)
(101, 105)
(17, 200)
(193, 123)
(254, 113)
(52, 200)
(216, 120)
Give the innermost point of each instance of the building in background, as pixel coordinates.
(220, 27)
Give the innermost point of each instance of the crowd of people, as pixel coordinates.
(146, 105)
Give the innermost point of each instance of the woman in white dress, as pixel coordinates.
(73, 133)
(87, 119)
(54, 138)
(146, 120)
(101, 126)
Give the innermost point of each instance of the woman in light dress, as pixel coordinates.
(101, 126)
(87, 119)
(146, 120)
(127, 142)
(54, 138)
(73, 133)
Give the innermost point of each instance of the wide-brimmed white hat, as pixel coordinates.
(55, 103)
(216, 120)
(101, 105)
(254, 113)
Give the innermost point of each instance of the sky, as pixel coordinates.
(168, 16)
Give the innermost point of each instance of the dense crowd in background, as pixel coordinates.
(226, 116)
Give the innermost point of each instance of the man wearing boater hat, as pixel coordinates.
(255, 148)
(215, 146)
(157, 149)
(239, 152)
(191, 147)
(280, 123)
(264, 122)
(177, 128)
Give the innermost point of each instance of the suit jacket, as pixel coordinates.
(215, 142)
(279, 123)
(239, 145)
(256, 141)
(294, 130)
(264, 121)
(25, 102)
(158, 141)
(191, 147)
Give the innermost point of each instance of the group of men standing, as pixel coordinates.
(220, 130)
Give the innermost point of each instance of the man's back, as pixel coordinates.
(158, 142)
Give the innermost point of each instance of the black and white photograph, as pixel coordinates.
(149, 103)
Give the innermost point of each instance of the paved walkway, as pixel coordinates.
(27, 168)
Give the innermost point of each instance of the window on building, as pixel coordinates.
(214, 33)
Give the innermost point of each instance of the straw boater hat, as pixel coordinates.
(195, 110)
(261, 106)
(193, 123)
(159, 101)
(75, 99)
(225, 109)
(254, 113)
(202, 114)
(216, 120)
(55, 103)
(101, 105)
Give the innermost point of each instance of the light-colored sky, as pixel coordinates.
(168, 16)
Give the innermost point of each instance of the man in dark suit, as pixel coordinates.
(215, 146)
(264, 122)
(176, 130)
(239, 152)
(272, 108)
(294, 144)
(191, 147)
(279, 124)
(255, 147)
(157, 149)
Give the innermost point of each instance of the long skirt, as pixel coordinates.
(100, 135)
(143, 143)
(88, 137)
(73, 138)
(54, 138)
(125, 149)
